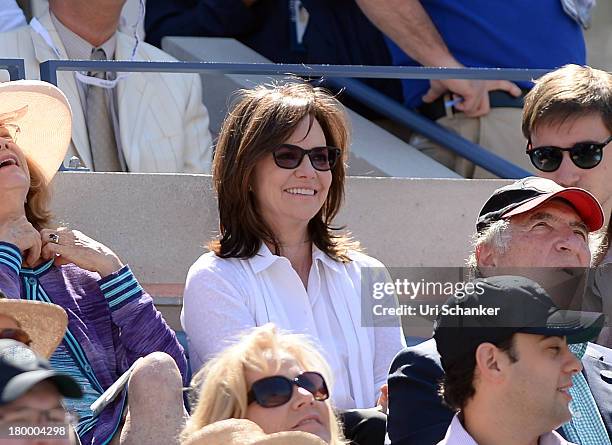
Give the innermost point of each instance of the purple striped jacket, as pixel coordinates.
(112, 319)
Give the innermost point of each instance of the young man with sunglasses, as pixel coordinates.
(567, 120)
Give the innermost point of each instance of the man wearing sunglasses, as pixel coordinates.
(567, 120)
(531, 224)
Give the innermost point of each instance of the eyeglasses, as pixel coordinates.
(322, 158)
(35, 416)
(584, 155)
(16, 334)
(278, 390)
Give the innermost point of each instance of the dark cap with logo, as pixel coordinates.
(21, 369)
(501, 306)
(529, 193)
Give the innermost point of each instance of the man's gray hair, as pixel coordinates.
(496, 235)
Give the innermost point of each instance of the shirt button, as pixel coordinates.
(87, 368)
(32, 280)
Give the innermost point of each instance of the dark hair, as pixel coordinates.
(567, 93)
(262, 119)
(457, 385)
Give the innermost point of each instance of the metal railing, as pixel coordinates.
(372, 98)
(15, 68)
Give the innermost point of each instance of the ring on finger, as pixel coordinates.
(54, 238)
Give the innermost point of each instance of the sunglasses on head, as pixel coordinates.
(16, 334)
(583, 154)
(290, 156)
(278, 390)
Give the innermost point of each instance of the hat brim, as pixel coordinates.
(45, 323)
(586, 206)
(576, 326)
(45, 121)
(22, 383)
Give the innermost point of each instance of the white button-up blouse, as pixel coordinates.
(224, 297)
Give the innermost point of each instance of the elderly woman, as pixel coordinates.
(279, 175)
(111, 321)
(275, 379)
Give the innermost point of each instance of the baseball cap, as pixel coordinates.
(528, 193)
(501, 306)
(21, 369)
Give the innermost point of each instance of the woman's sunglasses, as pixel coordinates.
(16, 334)
(583, 154)
(278, 390)
(290, 156)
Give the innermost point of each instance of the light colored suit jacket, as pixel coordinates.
(163, 124)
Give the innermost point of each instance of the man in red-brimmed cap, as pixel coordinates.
(531, 224)
(534, 222)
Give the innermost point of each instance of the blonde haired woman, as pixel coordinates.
(275, 379)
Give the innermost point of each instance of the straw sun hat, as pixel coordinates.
(38, 115)
(45, 323)
(245, 432)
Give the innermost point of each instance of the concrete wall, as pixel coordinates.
(374, 151)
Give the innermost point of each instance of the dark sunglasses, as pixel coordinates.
(290, 156)
(16, 334)
(278, 390)
(583, 154)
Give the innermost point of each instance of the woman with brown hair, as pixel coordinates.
(279, 175)
(113, 326)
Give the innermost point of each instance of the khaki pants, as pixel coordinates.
(498, 131)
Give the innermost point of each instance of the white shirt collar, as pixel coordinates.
(264, 258)
(457, 435)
